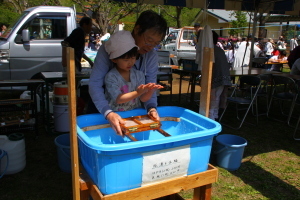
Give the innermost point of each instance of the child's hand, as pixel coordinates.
(153, 86)
(150, 88)
(141, 89)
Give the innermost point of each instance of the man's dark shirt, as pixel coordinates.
(77, 40)
(294, 55)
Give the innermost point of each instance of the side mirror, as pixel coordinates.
(25, 35)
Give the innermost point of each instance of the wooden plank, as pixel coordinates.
(84, 190)
(131, 137)
(169, 187)
(90, 128)
(72, 118)
(164, 133)
(206, 75)
(159, 189)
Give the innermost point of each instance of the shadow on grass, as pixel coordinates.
(267, 136)
(269, 185)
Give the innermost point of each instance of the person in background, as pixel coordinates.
(281, 45)
(76, 40)
(224, 43)
(149, 30)
(256, 42)
(278, 58)
(229, 44)
(269, 48)
(294, 55)
(275, 52)
(230, 55)
(238, 42)
(242, 56)
(125, 86)
(2, 29)
(98, 42)
(92, 41)
(293, 43)
(219, 44)
(219, 82)
(196, 34)
(261, 44)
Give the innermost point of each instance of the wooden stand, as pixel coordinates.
(83, 187)
(200, 182)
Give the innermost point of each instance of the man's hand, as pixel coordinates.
(115, 120)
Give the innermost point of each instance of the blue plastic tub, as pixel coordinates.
(117, 164)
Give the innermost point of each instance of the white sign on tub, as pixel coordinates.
(165, 164)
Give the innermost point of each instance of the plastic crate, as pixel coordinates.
(117, 164)
(189, 65)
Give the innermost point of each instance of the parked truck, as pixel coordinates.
(179, 42)
(33, 43)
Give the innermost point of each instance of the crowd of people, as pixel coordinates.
(94, 41)
(238, 51)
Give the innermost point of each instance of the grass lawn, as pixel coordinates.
(269, 170)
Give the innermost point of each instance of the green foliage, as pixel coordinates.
(188, 15)
(168, 12)
(10, 12)
(241, 21)
(186, 18)
(289, 32)
(128, 26)
(7, 14)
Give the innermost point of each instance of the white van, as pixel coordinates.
(33, 43)
(179, 43)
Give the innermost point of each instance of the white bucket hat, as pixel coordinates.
(119, 43)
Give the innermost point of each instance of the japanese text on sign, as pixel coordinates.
(165, 164)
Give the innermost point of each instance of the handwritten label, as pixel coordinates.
(165, 164)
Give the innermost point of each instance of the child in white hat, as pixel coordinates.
(125, 86)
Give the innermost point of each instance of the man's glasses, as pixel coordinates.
(150, 44)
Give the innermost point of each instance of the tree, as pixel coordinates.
(262, 22)
(21, 5)
(178, 16)
(174, 12)
(7, 14)
(12, 9)
(241, 21)
(107, 13)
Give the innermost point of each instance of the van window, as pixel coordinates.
(44, 28)
(187, 34)
(171, 38)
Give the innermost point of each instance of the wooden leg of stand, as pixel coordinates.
(203, 192)
(84, 191)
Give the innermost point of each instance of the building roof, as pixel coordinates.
(225, 16)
